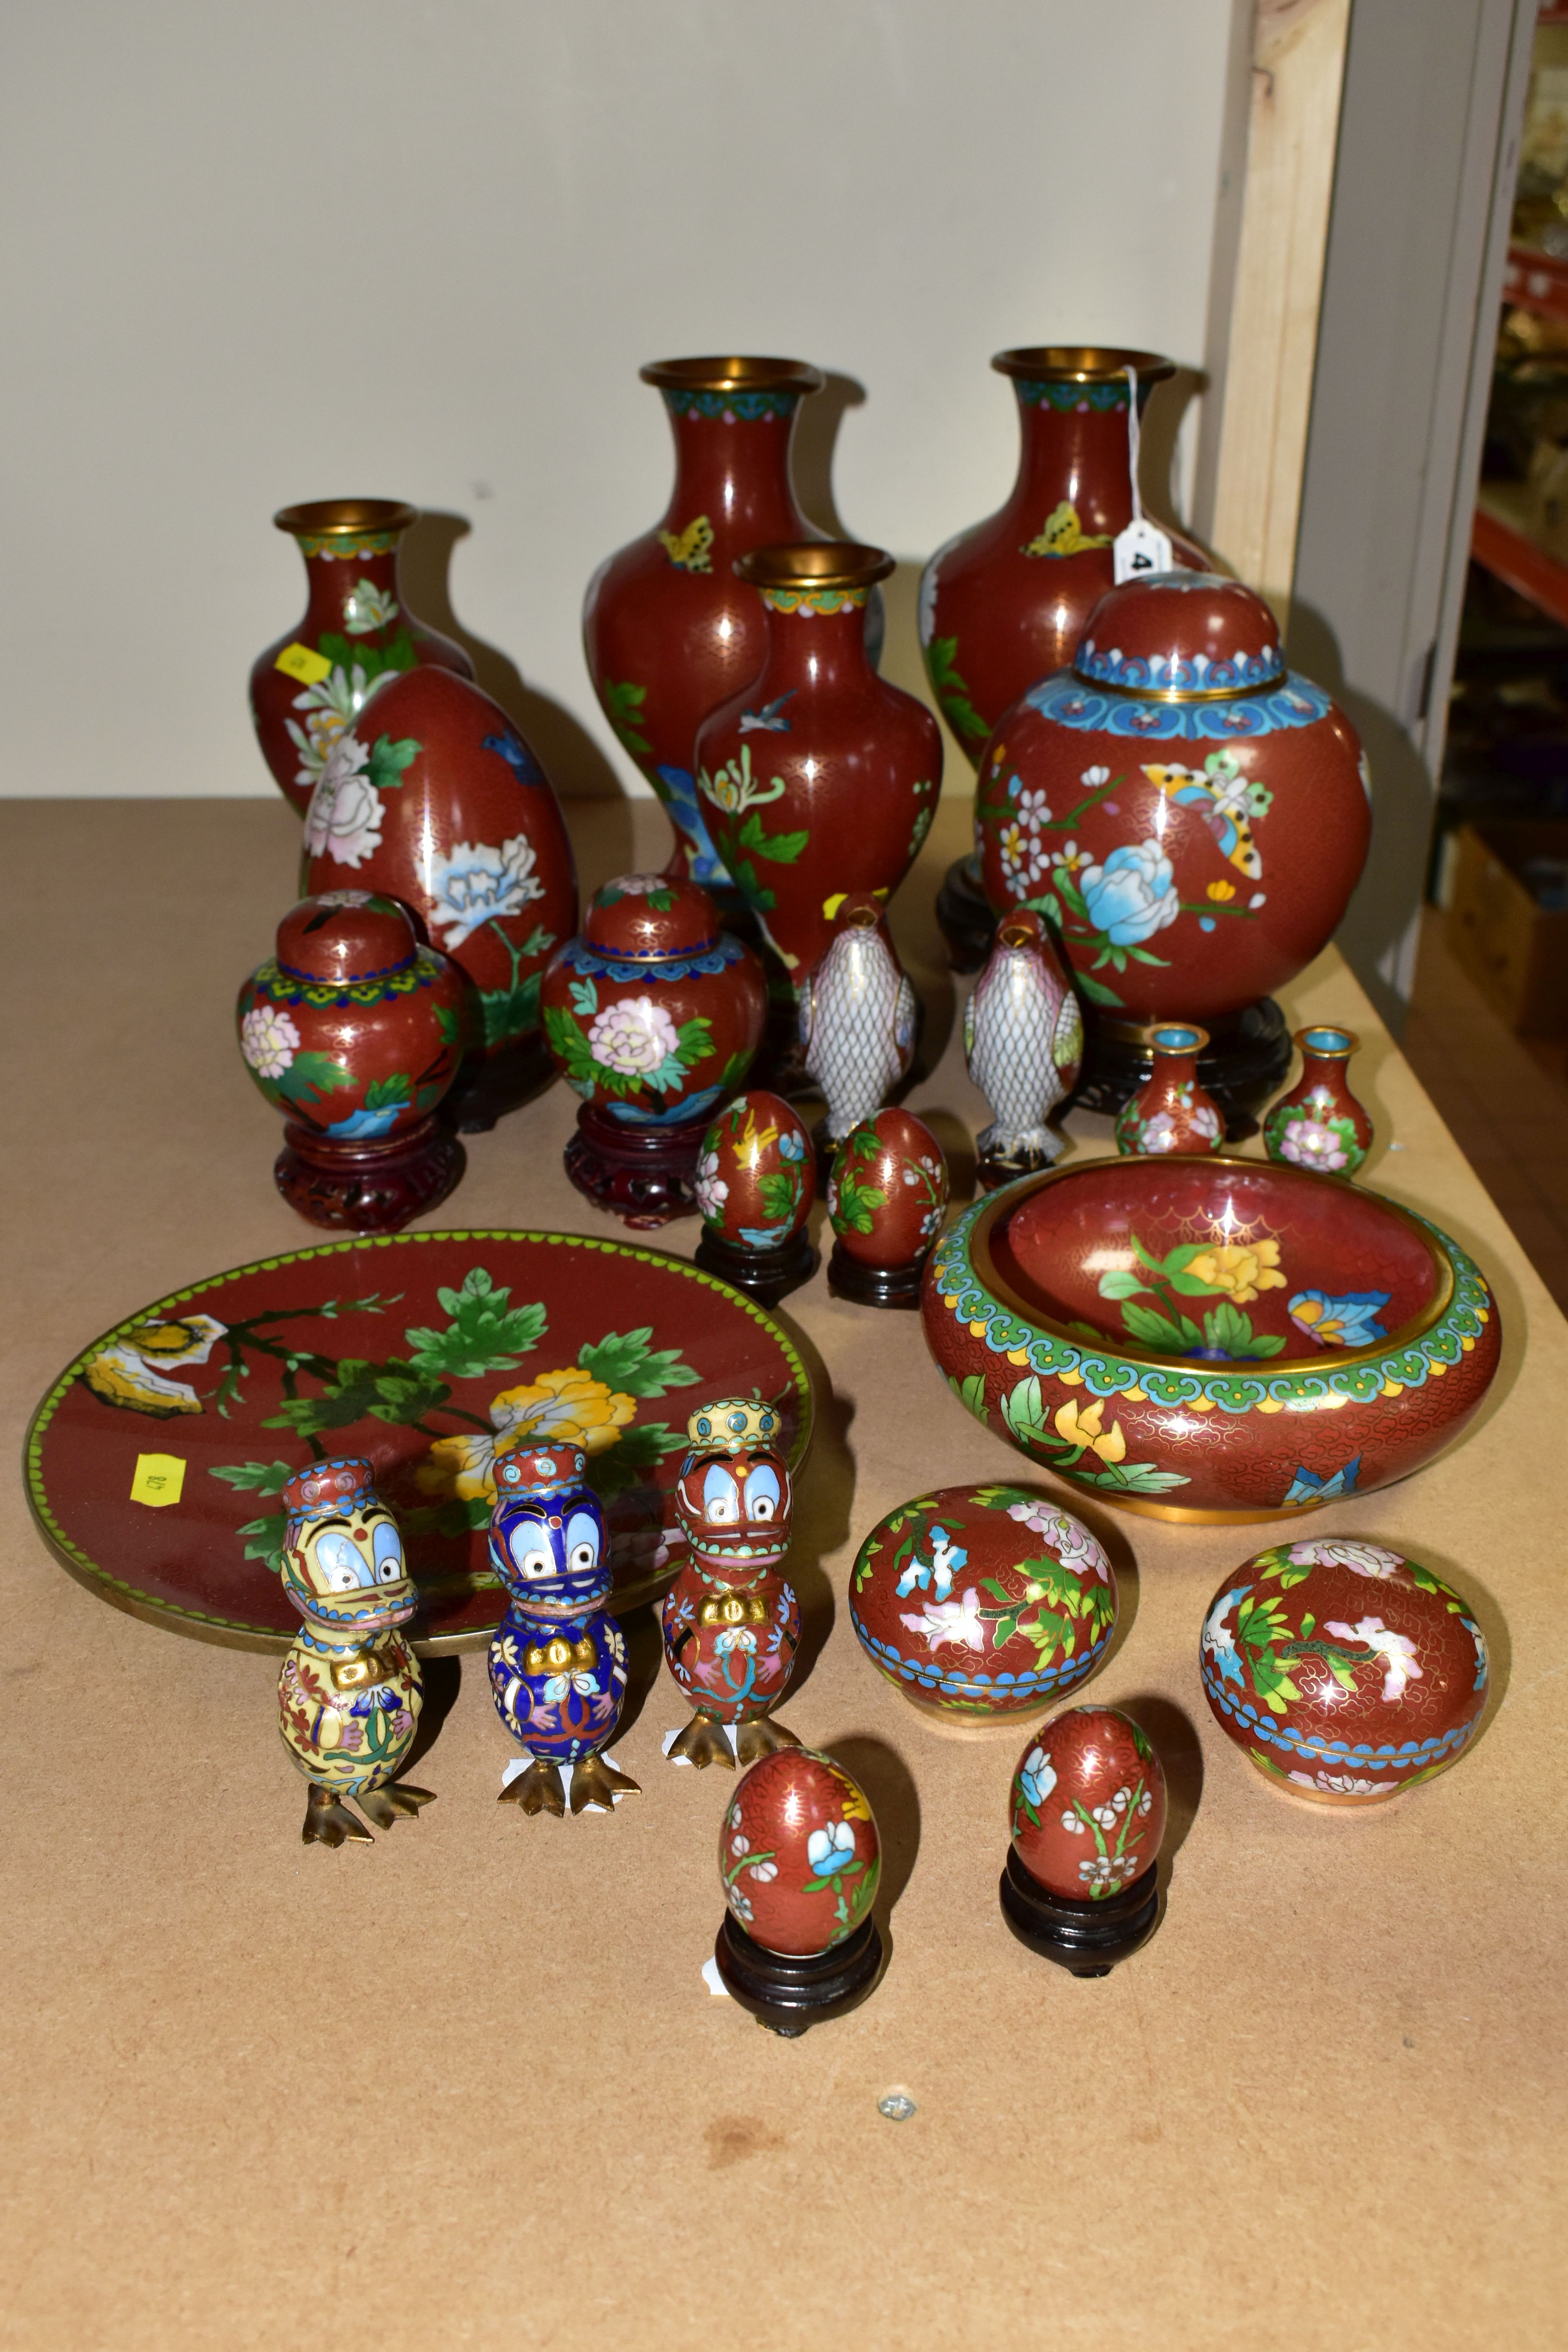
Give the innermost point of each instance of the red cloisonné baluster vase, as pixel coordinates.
(353, 1029)
(887, 1197)
(756, 1183)
(1191, 819)
(434, 797)
(653, 1015)
(1170, 1111)
(799, 1859)
(1087, 1816)
(1342, 1669)
(307, 689)
(731, 1620)
(667, 629)
(1319, 1123)
(1023, 1044)
(1004, 602)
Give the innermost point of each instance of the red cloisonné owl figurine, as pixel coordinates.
(731, 1624)
(349, 1691)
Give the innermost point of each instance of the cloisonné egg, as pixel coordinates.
(798, 1854)
(888, 1193)
(980, 1602)
(1088, 1804)
(1344, 1670)
(756, 1178)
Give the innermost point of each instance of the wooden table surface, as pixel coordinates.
(465, 2086)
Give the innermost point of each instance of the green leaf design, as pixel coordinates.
(585, 995)
(641, 1448)
(1094, 990)
(1120, 1282)
(255, 1477)
(857, 1203)
(486, 1333)
(388, 760)
(267, 1539)
(779, 848)
(393, 1392)
(624, 1360)
(509, 1012)
(622, 706)
(952, 690)
(309, 1077)
(1136, 1477)
(383, 1093)
(780, 1191)
(971, 1393)
(1156, 1330)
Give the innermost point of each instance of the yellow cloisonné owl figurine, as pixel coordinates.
(349, 1691)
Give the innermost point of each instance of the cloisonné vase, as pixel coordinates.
(307, 689)
(1003, 604)
(667, 629)
(354, 1031)
(1319, 1123)
(1190, 818)
(1087, 1816)
(1022, 1045)
(887, 1197)
(799, 1861)
(756, 1181)
(1170, 1111)
(433, 797)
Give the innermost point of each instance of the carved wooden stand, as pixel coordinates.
(367, 1188)
(644, 1175)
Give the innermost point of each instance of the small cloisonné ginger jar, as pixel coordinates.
(887, 1197)
(980, 1603)
(1319, 1124)
(1344, 1670)
(798, 1854)
(1088, 1804)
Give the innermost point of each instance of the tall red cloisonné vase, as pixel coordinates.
(309, 687)
(1004, 602)
(667, 629)
(434, 798)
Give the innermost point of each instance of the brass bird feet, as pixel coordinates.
(537, 1789)
(596, 1782)
(397, 1801)
(761, 1736)
(703, 1742)
(328, 1822)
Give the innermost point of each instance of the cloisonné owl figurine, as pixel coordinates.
(558, 1663)
(350, 1691)
(1023, 1040)
(730, 1622)
(858, 1015)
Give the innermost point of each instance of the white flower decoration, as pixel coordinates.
(268, 1040)
(1397, 1652)
(343, 820)
(710, 1188)
(479, 885)
(827, 1849)
(1159, 1133)
(958, 1622)
(1342, 1784)
(634, 1035)
(368, 607)
(1365, 1558)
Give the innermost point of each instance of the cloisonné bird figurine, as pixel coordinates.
(857, 1014)
(1023, 1040)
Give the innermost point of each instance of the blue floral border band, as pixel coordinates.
(284, 987)
(730, 407)
(1103, 399)
(596, 964)
(1064, 699)
(1410, 1756)
(1174, 674)
(981, 1690)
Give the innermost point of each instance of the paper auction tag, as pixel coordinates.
(298, 661)
(1139, 549)
(160, 1480)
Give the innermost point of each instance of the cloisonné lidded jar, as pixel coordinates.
(1344, 1670)
(980, 1603)
(669, 631)
(1088, 1804)
(1319, 1123)
(307, 689)
(798, 1854)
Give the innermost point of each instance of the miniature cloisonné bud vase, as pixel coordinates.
(307, 689)
(1170, 1111)
(1088, 1804)
(669, 631)
(1344, 1670)
(434, 797)
(887, 1197)
(857, 1017)
(1023, 1042)
(653, 1015)
(980, 1603)
(349, 1691)
(1319, 1124)
(353, 1029)
(798, 1854)
(755, 1182)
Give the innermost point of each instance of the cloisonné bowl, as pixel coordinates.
(1210, 1338)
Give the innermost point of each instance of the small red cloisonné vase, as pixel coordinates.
(858, 1018)
(886, 1200)
(354, 1030)
(653, 1015)
(350, 1691)
(1343, 1670)
(731, 1620)
(1170, 1111)
(1319, 1124)
(755, 1182)
(669, 631)
(799, 1859)
(307, 689)
(434, 797)
(1023, 1044)
(1088, 1815)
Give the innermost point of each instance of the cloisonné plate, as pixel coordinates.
(155, 1462)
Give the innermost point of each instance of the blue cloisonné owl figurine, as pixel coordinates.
(558, 1663)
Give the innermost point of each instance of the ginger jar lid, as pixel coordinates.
(345, 936)
(1181, 636)
(645, 917)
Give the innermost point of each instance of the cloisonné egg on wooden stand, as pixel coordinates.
(756, 1181)
(799, 1860)
(887, 1197)
(1345, 1672)
(980, 1603)
(1087, 1816)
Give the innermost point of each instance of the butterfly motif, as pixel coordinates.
(770, 716)
(689, 549)
(1226, 800)
(1064, 535)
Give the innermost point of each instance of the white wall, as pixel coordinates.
(417, 248)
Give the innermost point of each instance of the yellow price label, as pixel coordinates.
(160, 1480)
(298, 661)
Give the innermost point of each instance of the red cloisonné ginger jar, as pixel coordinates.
(1344, 1670)
(755, 1182)
(669, 631)
(353, 1029)
(1088, 1804)
(307, 689)
(817, 779)
(1189, 816)
(1319, 1123)
(1210, 1338)
(980, 1603)
(1170, 1111)
(434, 797)
(887, 1197)
(798, 1854)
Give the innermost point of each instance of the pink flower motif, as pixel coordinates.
(635, 1035)
(1160, 1132)
(268, 1040)
(1309, 1145)
(343, 821)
